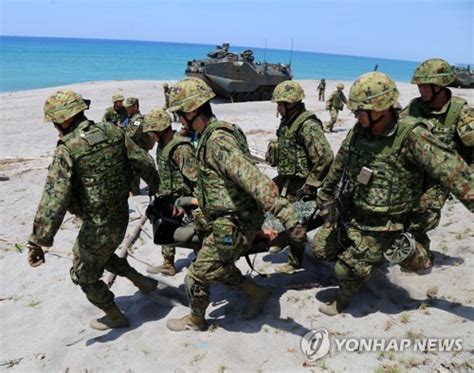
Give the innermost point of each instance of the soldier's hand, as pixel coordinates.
(298, 234)
(35, 254)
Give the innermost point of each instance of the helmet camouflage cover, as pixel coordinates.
(433, 71)
(117, 97)
(373, 91)
(340, 86)
(131, 101)
(156, 120)
(62, 105)
(288, 91)
(189, 94)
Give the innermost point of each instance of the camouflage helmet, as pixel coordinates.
(189, 94)
(117, 97)
(340, 86)
(373, 91)
(130, 101)
(62, 105)
(156, 120)
(288, 91)
(433, 71)
(166, 85)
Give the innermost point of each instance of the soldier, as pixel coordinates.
(166, 93)
(135, 132)
(177, 167)
(321, 89)
(452, 122)
(232, 194)
(334, 104)
(116, 114)
(301, 155)
(375, 182)
(89, 176)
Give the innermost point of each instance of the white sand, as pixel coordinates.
(44, 317)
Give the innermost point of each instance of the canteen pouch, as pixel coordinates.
(272, 153)
(226, 237)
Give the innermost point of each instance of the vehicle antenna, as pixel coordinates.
(291, 52)
(265, 52)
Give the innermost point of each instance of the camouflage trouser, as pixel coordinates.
(321, 95)
(296, 253)
(93, 252)
(357, 253)
(168, 252)
(427, 215)
(333, 112)
(215, 262)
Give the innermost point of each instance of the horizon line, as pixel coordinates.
(206, 44)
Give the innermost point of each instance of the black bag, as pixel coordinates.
(160, 212)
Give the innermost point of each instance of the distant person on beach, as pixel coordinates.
(116, 114)
(373, 185)
(232, 194)
(452, 122)
(177, 168)
(135, 132)
(301, 154)
(334, 104)
(89, 177)
(321, 89)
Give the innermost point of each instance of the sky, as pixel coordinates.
(411, 30)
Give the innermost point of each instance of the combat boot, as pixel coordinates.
(335, 307)
(188, 322)
(167, 268)
(114, 318)
(256, 296)
(145, 284)
(286, 268)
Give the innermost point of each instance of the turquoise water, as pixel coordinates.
(28, 62)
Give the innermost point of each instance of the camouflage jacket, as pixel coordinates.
(116, 117)
(420, 152)
(453, 124)
(321, 86)
(228, 179)
(303, 149)
(336, 100)
(89, 176)
(177, 167)
(135, 132)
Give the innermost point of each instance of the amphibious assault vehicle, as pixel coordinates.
(463, 77)
(237, 76)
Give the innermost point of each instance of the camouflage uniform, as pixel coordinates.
(453, 125)
(334, 104)
(135, 132)
(377, 204)
(118, 117)
(89, 177)
(321, 89)
(301, 153)
(232, 194)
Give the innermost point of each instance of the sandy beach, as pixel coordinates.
(44, 316)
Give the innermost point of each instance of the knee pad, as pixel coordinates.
(342, 271)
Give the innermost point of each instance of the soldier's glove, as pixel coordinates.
(35, 254)
(307, 193)
(298, 234)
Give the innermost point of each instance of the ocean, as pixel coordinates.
(38, 62)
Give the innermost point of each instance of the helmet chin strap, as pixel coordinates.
(190, 122)
(372, 122)
(434, 94)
